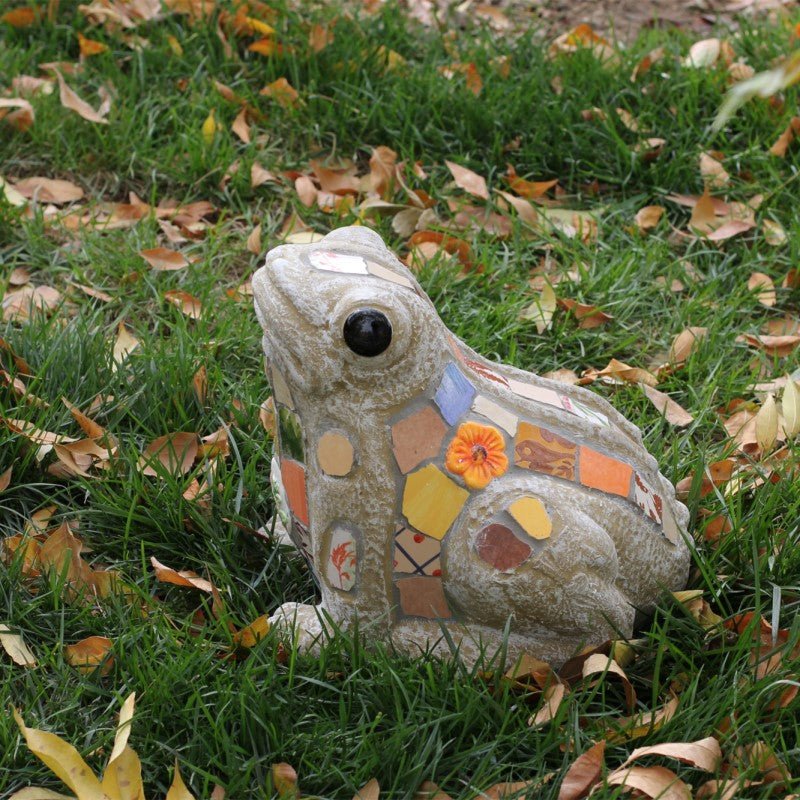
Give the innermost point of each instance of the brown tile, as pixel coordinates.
(423, 597)
(497, 545)
(417, 437)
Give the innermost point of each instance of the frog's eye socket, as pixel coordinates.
(367, 332)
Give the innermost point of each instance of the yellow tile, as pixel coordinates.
(532, 517)
(431, 501)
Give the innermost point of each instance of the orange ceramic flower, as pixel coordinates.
(477, 454)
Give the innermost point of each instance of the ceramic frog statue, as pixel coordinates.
(433, 491)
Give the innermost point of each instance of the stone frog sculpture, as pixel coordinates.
(437, 495)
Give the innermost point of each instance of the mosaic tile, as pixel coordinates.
(541, 450)
(602, 472)
(338, 262)
(294, 484)
(487, 372)
(647, 499)
(497, 545)
(291, 435)
(431, 501)
(342, 562)
(416, 553)
(417, 437)
(538, 393)
(423, 597)
(583, 411)
(496, 413)
(335, 454)
(455, 346)
(280, 389)
(532, 517)
(379, 271)
(302, 539)
(670, 527)
(454, 395)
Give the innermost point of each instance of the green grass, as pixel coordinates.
(352, 714)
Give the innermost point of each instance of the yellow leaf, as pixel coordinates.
(89, 47)
(178, 790)
(175, 46)
(16, 647)
(90, 653)
(209, 129)
(790, 405)
(123, 777)
(124, 726)
(250, 636)
(260, 27)
(124, 344)
(63, 760)
(38, 793)
(541, 310)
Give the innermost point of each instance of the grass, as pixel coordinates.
(353, 714)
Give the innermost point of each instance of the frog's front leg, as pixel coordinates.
(304, 623)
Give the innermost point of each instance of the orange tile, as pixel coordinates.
(294, 483)
(604, 473)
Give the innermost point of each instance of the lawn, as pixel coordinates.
(316, 99)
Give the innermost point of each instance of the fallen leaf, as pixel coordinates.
(177, 789)
(164, 259)
(90, 653)
(729, 229)
(790, 406)
(704, 754)
(5, 477)
(588, 317)
(655, 782)
(774, 234)
(428, 790)
(90, 47)
(644, 65)
(583, 37)
(124, 344)
(506, 790)
(764, 287)
(600, 664)
(672, 411)
(703, 213)
(188, 304)
(684, 344)
(282, 92)
(251, 635)
(620, 372)
(767, 424)
(786, 138)
(469, 181)
(74, 103)
(14, 645)
(208, 130)
(714, 174)
(266, 415)
(541, 310)
(551, 700)
(647, 218)
(19, 306)
(583, 773)
(773, 345)
(284, 779)
(186, 578)
(20, 17)
(703, 53)
(174, 452)
(48, 190)
(642, 724)
(241, 127)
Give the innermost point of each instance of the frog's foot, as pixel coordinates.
(304, 624)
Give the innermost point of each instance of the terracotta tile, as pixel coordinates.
(417, 437)
(423, 597)
(294, 484)
(538, 393)
(342, 562)
(379, 271)
(337, 262)
(416, 553)
(583, 411)
(431, 501)
(454, 395)
(602, 472)
(280, 389)
(496, 413)
(487, 372)
(532, 517)
(541, 450)
(335, 454)
(290, 435)
(497, 545)
(647, 499)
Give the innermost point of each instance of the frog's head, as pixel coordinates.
(344, 314)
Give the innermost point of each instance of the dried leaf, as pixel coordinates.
(583, 773)
(48, 190)
(599, 664)
(188, 304)
(186, 578)
(583, 37)
(621, 372)
(174, 452)
(284, 779)
(704, 754)
(251, 635)
(786, 138)
(773, 345)
(672, 411)
(506, 790)
(241, 127)
(20, 17)
(684, 343)
(208, 130)
(19, 306)
(703, 53)
(282, 92)
(306, 190)
(90, 47)
(124, 344)
(588, 317)
(714, 174)
(774, 234)
(647, 218)
(178, 790)
(703, 214)
(729, 229)
(541, 310)
(765, 288)
(266, 415)
(767, 424)
(259, 175)
(164, 259)
(5, 479)
(643, 724)
(74, 103)
(655, 782)
(469, 181)
(90, 653)
(200, 385)
(14, 645)
(551, 700)
(790, 406)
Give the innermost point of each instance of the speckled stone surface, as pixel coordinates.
(432, 490)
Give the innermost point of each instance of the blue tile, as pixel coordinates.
(454, 395)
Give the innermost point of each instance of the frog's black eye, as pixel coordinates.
(367, 332)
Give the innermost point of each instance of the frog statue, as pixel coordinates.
(439, 498)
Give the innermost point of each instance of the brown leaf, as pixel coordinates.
(765, 288)
(530, 189)
(14, 645)
(428, 790)
(729, 229)
(259, 175)
(527, 213)
(643, 723)
(588, 316)
(541, 310)
(382, 171)
(21, 17)
(34, 434)
(468, 180)
(74, 103)
(704, 754)
(124, 343)
(621, 372)
(266, 415)
(703, 214)
(306, 191)
(5, 478)
(282, 92)
(90, 47)
(186, 578)
(188, 304)
(773, 345)
(92, 292)
(240, 126)
(647, 218)
(254, 241)
(714, 174)
(164, 259)
(599, 664)
(551, 700)
(684, 343)
(200, 384)
(583, 37)
(655, 782)
(19, 306)
(89, 654)
(774, 233)
(672, 411)
(583, 773)
(499, 791)
(48, 190)
(786, 138)
(284, 779)
(175, 452)
(88, 426)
